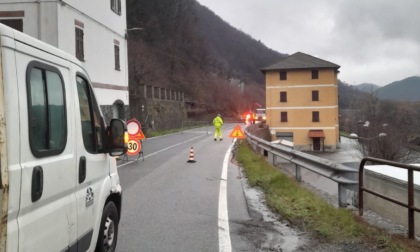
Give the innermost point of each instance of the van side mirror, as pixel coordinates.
(117, 137)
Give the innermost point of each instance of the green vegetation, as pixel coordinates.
(307, 211)
(151, 133)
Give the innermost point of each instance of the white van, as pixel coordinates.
(59, 189)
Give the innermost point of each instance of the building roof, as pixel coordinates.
(300, 61)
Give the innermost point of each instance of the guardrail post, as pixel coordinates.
(342, 196)
(270, 158)
(298, 174)
(411, 230)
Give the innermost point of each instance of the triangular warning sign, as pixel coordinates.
(140, 135)
(237, 133)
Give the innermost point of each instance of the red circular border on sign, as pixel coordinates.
(138, 149)
(138, 125)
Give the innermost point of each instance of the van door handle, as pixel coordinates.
(37, 183)
(82, 169)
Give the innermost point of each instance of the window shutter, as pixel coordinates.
(113, 5)
(315, 116)
(283, 75)
(79, 44)
(119, 6)
(16, 24)
(117, 57)
(82, 34)
(283, 96)
(315, 95)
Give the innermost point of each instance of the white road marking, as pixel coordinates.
(167, 148)
(224, 234)
(223, 223)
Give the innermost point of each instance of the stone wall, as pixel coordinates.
(108, 114)
(158, 108)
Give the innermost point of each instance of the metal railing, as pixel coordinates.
(346, 177)
(410, 183)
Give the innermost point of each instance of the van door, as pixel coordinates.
(47, 213)
(93, 164)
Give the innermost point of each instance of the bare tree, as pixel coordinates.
(386, 142)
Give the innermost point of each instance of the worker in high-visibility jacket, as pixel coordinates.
(218, 122)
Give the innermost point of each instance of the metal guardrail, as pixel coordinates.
(346, 177)
(410, 183)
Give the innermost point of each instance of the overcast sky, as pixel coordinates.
(374, 41)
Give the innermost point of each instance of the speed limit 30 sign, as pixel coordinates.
(134, 147)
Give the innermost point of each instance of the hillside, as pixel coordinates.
(367, 87)
(186, 47)
(404, 90)
(242, 55)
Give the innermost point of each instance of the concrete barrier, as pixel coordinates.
(390, 182)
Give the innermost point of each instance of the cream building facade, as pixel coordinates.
(302, 102)
(93, 31)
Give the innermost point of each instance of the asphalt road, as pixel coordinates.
(172, 205)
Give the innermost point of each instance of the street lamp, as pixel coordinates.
(369, 150)
(355, 136)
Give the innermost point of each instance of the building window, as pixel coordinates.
(46, 110)
(315, 116)
(283, 116)
(16, 24)
(117, 57)
(79, 44)
(315, 95)
(116, 6)
(315, 74)
(283, 96)
(288, 136)
(283, 75)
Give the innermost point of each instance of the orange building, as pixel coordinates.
(302, 102)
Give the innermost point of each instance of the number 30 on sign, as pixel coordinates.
(134, 147)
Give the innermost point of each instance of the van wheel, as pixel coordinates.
(108, 233)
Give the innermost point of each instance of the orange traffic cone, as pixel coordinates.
(191, 159)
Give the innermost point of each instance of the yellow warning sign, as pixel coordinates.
(237, 132)
(139, 136)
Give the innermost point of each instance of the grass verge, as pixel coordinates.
(309, 212)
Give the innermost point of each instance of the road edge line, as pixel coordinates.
(223, 223)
